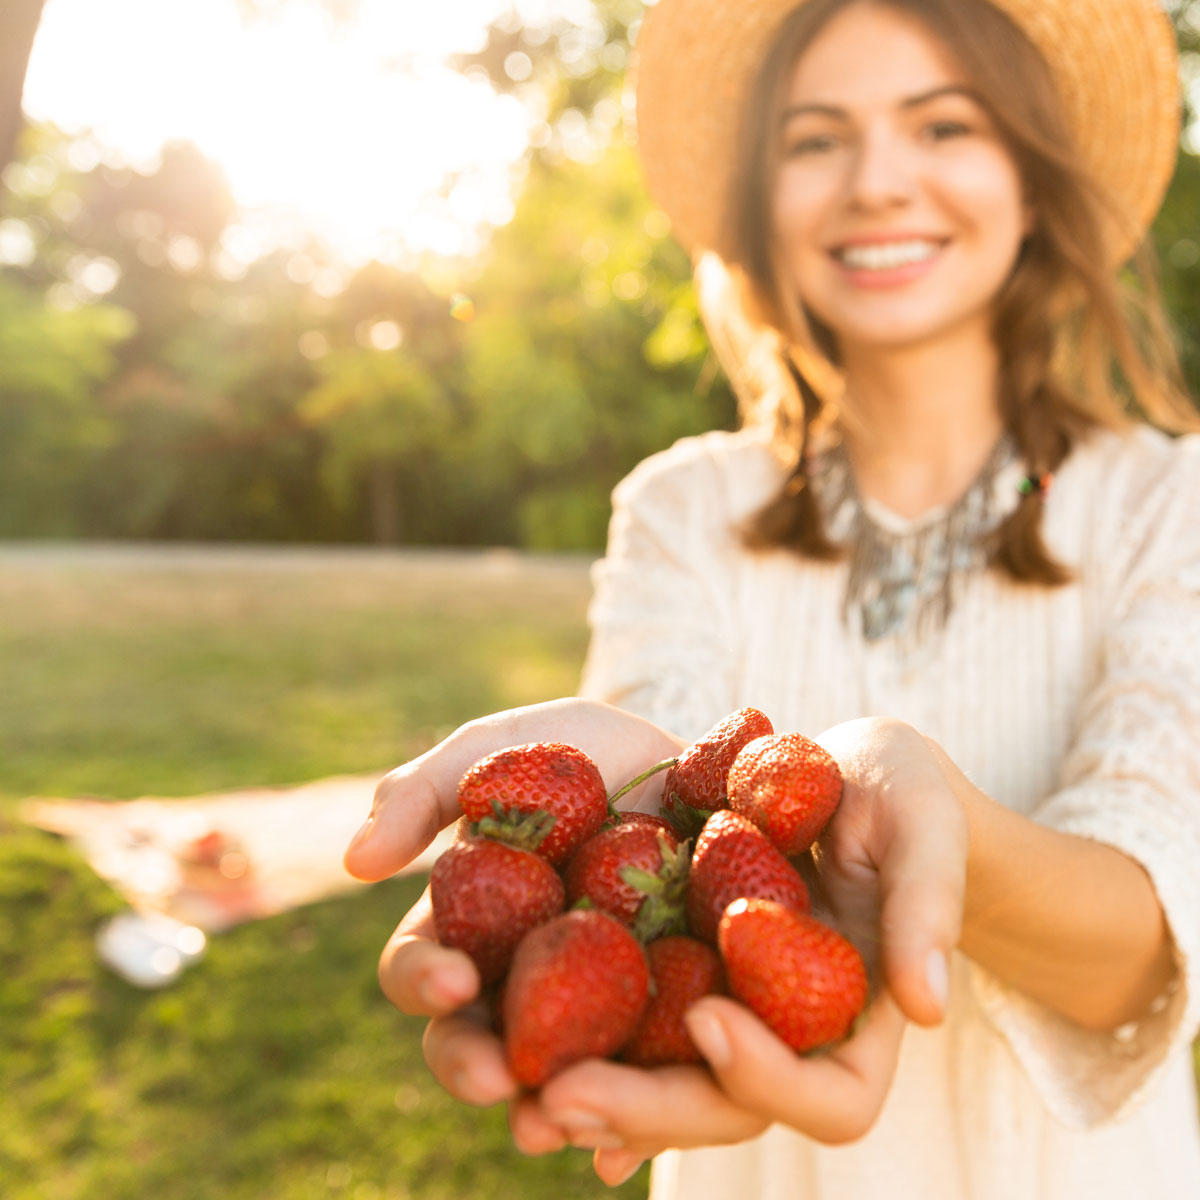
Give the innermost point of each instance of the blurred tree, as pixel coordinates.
(570, 375)
(51, 362)
(387, 407)
(163, 377)
(1176, 233)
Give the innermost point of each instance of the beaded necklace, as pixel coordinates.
(903, 575)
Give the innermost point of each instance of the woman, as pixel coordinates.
(940, 540)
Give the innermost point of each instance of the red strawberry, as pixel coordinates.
(695, 784)
(734, 859)
(788, 786)
(633, 817)
(487, 895)
(803, 979)
(506, 791)
(633, 872)
(576, 989)
(683, 970)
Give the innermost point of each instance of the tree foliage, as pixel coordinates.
(158, 380)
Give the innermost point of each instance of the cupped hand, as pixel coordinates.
(412, 804)
(891, 865)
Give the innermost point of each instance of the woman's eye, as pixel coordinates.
(817, 143)
(941, 131)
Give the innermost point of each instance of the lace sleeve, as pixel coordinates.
(663, 627)
(1132, 781)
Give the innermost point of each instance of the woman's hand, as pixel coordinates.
(414, 802)
(891, 866)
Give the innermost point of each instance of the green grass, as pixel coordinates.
(121, 682)
(274, 1069)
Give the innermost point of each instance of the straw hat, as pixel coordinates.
(1114, 62)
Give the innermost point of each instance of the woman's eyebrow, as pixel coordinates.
(821, 108)
(949, 89)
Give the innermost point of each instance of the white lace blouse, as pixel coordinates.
(1078, 706)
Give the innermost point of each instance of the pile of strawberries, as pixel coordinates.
(595, 929)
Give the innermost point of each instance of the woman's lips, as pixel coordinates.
(880, 263)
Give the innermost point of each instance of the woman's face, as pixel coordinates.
(898, 210)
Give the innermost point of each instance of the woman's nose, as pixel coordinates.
(881, 172)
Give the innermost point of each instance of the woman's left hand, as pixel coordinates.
(889, 872)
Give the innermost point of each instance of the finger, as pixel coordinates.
(923, 881)
(833, 1096)
(420, 977)
(416, 800)
(646, 1111)
(615, 1167)
(467, 1059)
(531, 1132)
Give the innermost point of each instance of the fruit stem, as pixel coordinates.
(654, 770)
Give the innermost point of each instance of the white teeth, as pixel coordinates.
(885, 256)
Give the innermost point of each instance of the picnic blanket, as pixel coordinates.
(215, 860)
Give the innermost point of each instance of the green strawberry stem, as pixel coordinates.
(524, 830)
(664, 909)
(654, 770)
(687, 820)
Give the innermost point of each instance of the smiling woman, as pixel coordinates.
(347, 127)
(955, 226)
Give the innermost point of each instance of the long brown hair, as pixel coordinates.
(1081, 347)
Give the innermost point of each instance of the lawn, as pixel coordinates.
(274, 1069)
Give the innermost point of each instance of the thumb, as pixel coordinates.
(405, 817)
(923, 881)
(413, 803)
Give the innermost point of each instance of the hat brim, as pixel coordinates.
(1114, 62)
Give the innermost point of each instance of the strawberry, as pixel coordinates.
(734, 859)
(636, 873)
(695, 784)
(682, 970)
(487, 895)
(576, 989)
(803, 979)
(545, 796)
(633, 817)
(788, 786)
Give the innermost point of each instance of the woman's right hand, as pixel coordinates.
(412, 804)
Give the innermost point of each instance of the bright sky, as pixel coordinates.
(344, 130)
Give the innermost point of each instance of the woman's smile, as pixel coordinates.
(888, 260)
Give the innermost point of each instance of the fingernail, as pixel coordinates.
(484, 1083)
(627, 1175)
(709, 1036)
(937, 976)
(495, 1081)
(452, 985)
(360, 838)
